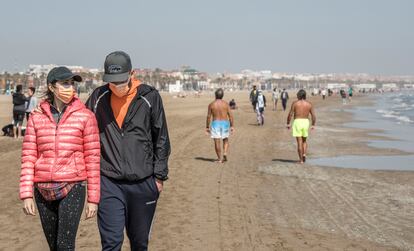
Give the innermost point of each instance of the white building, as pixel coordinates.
(174, 88)
(336, 86)
(38, 70)
(365, 86)
(389, 86)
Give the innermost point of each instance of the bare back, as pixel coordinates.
(219, 110)
(301, 109)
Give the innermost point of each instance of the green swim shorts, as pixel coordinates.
(300, 128)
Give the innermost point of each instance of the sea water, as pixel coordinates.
(393, 113)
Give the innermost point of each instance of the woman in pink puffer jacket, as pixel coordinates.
(61, 153)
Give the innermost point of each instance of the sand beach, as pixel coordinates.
(260, 199)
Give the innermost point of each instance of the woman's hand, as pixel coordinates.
(29, 207)
(91, 210)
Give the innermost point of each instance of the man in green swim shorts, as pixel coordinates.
(300, 110)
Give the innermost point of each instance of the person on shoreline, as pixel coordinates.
(60, 156)
(260, 107)
(135, 149)
(350, 94)
(253, 97)
(275, 97)
(19, 110)
(343, 96)
(31, 103)
(300, 111)
(221, 126)
(284, 96)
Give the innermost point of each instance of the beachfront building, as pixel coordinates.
(190, 79)
(390, 86)
(39, 70)
(366, 86)
(176, 87)
(336, 86)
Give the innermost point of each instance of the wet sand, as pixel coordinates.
(259, 200)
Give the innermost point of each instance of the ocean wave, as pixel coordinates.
(387, 112)
(404, 119)
(395, 115)
(403, 107)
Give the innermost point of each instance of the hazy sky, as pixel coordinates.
(372, 36)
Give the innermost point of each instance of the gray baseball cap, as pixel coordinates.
(117, 67)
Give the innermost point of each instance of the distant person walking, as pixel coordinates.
(233, 104)
(260, 107)
(343, 96)
(323, 93)
(19, 110)
(275, 97)
(284, 96)
(221, 126)
(350, 93)
(300, 111)
(253, 97)
(60, 161)
(31, 103)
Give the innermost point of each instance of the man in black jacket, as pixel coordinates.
(253, 97)
(284, 96)
(135, 147)
(19, 110)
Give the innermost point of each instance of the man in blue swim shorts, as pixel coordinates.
(222, 125)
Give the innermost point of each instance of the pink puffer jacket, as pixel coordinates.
(68, 151)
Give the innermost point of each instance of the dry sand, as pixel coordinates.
(259, 200)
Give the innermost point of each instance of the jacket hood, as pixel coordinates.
(145, 89)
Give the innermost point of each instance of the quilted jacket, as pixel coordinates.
(64, 152)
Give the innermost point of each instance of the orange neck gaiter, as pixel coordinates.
(120, 104)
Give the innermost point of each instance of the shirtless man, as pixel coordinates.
(221, 126)
(300, 127)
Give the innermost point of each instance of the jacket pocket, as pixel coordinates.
(66, 167)
(38, 161)
(79, 163)
(149, 153)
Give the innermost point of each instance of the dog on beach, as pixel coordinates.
(8, 130)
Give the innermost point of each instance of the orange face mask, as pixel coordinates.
(64, 94)
(120, 90)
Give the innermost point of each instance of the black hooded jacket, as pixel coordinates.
(19, 102)
(141, 147)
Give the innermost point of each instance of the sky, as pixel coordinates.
(312, 36)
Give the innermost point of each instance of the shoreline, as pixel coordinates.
(382, 143)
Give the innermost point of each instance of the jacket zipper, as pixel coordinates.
(128, 113)
(56, 129)
(54, 162)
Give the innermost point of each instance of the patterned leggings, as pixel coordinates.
(60, 218)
